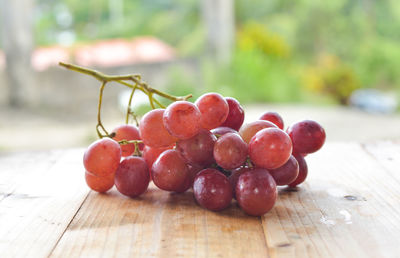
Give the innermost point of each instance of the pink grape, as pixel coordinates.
(236, 114)
(303, 171)
(256, 191)
(307, 136)
(214, 110)
(223, 130)
(102, 157)
(247, 131)
(274, 118)
(126, 132)
(99, 184)
(234, 177)
(287, 173)
(169, 171)
(151, 154)
(212, 190)
(230, 151)
(153, 132)
(132, 176)
(270, 148)
(182, 119)
(198, 149)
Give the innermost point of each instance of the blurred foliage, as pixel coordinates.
(280, 43)
(332, 77)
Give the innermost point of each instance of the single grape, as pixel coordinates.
(247, 131)
(287, 173)
(126, 132)
(182, 119)
(230, 151)
(150, 154)
(273, 117)
(270, 148)
(214, 110)
(234, 177)
(212, 190)
(303, 170)
(256, 191)
(198, 149)
(169, 171)
(236, 114)
(132, 176)
(102, 157)
(99, 184)
(153, 132)
(219, 131)
(307, 136)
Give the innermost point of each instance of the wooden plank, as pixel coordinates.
(159, 224)
(349, 207)
(40, 194)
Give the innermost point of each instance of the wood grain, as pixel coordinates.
(349, 207)
(40, 194)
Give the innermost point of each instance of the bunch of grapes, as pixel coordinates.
(205, 146)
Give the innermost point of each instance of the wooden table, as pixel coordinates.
(349, 207)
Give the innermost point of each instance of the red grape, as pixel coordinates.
(270, 148)
(102, 157)
(153, 132)
(234, 177)
(169, 171)
(212, 190)
(303, 171)
(151, 154)
(132, 176)
(214, 110)
(126, 132)
(307, 136)
(287, 173)
(223, 130)
(230, 151)
(249, 130)
(236, 114)
(198, 149)
(273, 117)
(256, 191)
(182, 119)
(193, 171)
(99, 184)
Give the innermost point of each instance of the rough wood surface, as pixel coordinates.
(349, 207)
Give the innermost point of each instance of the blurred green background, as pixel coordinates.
(284, 51)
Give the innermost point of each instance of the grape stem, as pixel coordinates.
(137, 84)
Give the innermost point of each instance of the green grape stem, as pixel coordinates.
(137, 84)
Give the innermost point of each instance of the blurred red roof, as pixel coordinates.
(104, 53)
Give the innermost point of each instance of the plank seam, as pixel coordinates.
(66, 228)
(265, 236)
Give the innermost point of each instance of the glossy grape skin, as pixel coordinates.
(287, 173)
(150, 154)
(102, 157)
(230, 151)
(307, 136)
(169, 171)
(153, 132)
(270, 148)
(182, 119)
(274, 118)
(132, 176)
(223, 130)
(303, 170)
(234, 177)
(193, 171)
(212, 190)
(214, 110)
(256, 191)
(198, 149)
(247, 131)
(127, 132)
(99, 184)
(235, 116)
